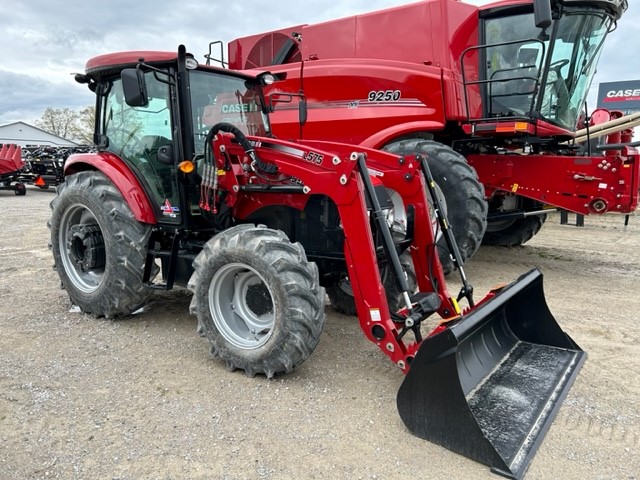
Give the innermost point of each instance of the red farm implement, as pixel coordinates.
(11, 169)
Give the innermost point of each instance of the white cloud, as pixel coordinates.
(44, 42)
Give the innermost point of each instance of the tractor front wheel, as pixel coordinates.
(257, 299)
(99, 248)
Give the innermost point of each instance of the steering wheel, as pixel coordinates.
(559, 64)
(129, 141)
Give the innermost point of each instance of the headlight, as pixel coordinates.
(191, 63)
(267, 79)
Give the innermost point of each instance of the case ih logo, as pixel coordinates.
(623, 96)
(239, 108)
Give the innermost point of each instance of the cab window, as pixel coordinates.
(136, 134)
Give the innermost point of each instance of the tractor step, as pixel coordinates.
(489, 386)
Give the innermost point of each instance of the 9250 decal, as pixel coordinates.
(384, 95)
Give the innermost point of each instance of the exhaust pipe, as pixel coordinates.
(490, 386)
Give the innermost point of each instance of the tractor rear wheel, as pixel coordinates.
(258, 300)
(466, 206)
(99, 248)
(514, 232)
(341, 294)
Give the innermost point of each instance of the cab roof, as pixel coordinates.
(113, 63)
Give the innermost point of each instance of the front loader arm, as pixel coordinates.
(402, 174)
(307, 168)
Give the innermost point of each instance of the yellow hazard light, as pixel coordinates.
(186, 167)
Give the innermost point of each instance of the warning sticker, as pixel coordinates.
(375, 314)
(168, 209)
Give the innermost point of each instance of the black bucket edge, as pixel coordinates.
(432, 394)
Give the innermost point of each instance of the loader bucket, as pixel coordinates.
(490, 386)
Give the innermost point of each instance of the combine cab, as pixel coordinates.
(189, 187)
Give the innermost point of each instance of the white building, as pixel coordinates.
(26, 135)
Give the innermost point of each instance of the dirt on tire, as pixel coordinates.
(139, 397)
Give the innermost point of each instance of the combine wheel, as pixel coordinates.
(514, 232)
(341, 294)
(99, 248)
(20, 189)
(258, 300)
(464, 195)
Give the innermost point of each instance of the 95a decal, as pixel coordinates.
(384, 95)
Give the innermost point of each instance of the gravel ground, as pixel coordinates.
(140, 398)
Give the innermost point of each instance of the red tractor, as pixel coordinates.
(188, 187)
(498, 90)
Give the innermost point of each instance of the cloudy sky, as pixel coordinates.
(44, 42)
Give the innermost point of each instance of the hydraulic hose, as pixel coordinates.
(244, 143)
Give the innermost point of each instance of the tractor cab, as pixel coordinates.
(537, 64)
(156, 114)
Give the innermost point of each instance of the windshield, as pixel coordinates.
(569, 50)
(217, 98)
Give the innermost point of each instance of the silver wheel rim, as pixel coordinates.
(89, 281)
(509, 204)
(242, 306)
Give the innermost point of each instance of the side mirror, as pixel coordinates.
(542, 13)
(134, 87)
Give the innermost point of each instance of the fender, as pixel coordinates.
(383, 137)
(121, 176)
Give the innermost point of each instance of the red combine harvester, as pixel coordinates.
(187, 181)
(11, 169)
(500, 88)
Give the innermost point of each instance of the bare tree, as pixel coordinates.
(86, 122)
(73, 125)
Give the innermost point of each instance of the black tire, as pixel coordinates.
(466, 206)
(515, 232)
(20, 189)
(341, 295)
(99, 248)
(276, 322)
